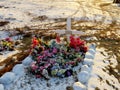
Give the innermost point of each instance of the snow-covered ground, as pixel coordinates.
(100, 76)
(20, 79)
(24, 12)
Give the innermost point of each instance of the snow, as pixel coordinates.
(19, 79)
(3, 34)
(7, 54)
(86, 68)
(88, 62)
(7, 78)
(99, 75)
(20, 13)
(19, 70)
(27, 61)
(83, 77)
(1, 87)
(79, 86)
(89, 56)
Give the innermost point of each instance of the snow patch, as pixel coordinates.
(79, 86)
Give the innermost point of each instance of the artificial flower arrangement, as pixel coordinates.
(6, 44)
(57, 58)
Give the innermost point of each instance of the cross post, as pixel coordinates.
(68, 32)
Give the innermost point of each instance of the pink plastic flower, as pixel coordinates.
(54, 50)
(33, 66)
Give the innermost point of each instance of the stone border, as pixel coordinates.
(85, 72)
(83, 76)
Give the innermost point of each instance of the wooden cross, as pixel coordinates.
(68, 32)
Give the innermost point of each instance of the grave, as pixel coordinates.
(70, 58)
(59, 57)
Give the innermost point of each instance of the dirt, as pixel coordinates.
(3, 23)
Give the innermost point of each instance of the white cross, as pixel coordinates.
(68, 32)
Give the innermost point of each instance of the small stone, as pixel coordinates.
(92, 46)
(85, 68)
(88, 62)
(83, 77)
(19, 69)
(89, 56)
(79, 86)
(1, 87)
(7, 78)
(27, 61)
(91, 51)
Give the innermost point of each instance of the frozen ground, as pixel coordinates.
(105, 75)
(28, 12)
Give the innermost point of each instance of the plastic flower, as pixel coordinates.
(38, 76)
(58, 39)
(35, 41)
(34, 66)
(85, 49)
(54, 50)
(40, 57)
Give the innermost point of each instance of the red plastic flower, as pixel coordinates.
(58, 39)
(35, 41)
(73, 42)
(85, 49)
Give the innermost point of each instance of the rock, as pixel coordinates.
(19, 70)
(89, 56)
(83, 77)
(7, 78)
(91, 51)
(92, 46)
(85, 68)
(88, 62)
(79, 86)
(1, 87)
(27, 61)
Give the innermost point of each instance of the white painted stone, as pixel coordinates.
(85, 68)
(19, 70)
(88, 62)
(92, 46)
(83, 77)
(89, 56)
(91, 51)
(7, 78)
(79, 86)
(27, 61)
(1, 87)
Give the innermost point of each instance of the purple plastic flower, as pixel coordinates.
(54, 50)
